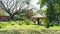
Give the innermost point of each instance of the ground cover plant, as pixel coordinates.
(17, 28)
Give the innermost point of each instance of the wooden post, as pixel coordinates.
(38, 21)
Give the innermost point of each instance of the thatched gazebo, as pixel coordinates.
(38, 16)
(3, 15)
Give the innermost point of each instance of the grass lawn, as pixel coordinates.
(23, 27)
(15, 28)
(16, 25)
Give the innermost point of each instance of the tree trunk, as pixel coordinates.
(11, 17)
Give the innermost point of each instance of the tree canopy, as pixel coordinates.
(12, 7)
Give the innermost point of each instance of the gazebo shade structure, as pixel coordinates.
(38, 16)
(4, 16)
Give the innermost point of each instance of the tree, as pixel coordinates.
(12, 7)
(24, 14)
(50, 13)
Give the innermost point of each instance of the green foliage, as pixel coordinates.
(53, 11)
(24, 14)
(27, 22)
(20, 23)
(14, 24)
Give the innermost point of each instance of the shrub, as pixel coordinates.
(27, 22)
(21, 22)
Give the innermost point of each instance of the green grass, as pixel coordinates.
(30, 29)
(16, 25)
(16, 28)
(23, 27)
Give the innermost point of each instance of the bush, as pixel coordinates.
(21, 22)
(27, 22)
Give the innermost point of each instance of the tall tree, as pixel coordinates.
(12, 7)
(51, 13)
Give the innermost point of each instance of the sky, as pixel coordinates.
(34, 4)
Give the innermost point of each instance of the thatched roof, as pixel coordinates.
(3, 13)
(38, 16)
